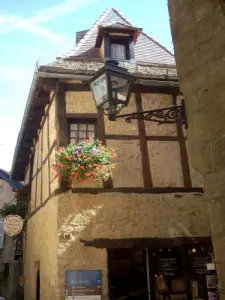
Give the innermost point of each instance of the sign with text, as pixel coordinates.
(13, 225)
(83, 285)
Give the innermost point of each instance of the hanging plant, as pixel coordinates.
(87, 160)
(20, 207)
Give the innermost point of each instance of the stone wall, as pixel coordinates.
(117, 215)
(40, 252)
(199, 43)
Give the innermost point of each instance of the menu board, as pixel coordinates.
(83, 285)
(199, 264)
(168, 266)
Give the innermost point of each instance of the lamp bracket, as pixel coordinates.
(167, 115)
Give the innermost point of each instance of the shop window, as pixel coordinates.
(81, 130)
(181, 273)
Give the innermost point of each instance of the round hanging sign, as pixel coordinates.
(12, 225)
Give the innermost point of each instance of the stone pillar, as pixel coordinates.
(198, 31)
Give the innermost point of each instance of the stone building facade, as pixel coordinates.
(10, 267)
(154, 198)
(201, 79)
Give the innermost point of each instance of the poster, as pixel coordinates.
(83, 285)
(211, 281)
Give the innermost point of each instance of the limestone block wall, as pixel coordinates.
(40, 252)
(117, 215)
(199, 43)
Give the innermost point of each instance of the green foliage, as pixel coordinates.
(3, 280)
(18, 208)
(88, 160)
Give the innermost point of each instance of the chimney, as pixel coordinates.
(79, 35)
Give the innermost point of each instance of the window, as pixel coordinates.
(120, 48)
(118, 51)
(79, 131)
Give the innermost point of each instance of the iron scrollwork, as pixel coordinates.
(168, 115)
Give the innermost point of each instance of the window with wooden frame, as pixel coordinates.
(79, 130)
(119, 48)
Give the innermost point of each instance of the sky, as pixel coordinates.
(41, 30)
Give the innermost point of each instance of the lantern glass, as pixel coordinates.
(120, 90)
(100, 90)
(111, 88)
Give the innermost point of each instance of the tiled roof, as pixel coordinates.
(147, 50)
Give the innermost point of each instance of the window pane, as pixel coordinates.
(82, 134)
(91, 127)
(73, 133)
(91, 134)
(82, 127)
(73, 126)
(118, 51)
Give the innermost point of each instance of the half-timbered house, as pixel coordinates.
(149, 220)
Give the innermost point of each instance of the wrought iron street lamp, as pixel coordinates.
(111, 88)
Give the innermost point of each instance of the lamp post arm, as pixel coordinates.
(167, 115)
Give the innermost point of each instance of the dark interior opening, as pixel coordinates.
(38, 285)
(128, 279)
(176, 273)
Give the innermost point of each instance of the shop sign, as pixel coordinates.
(83, 285)
(13, 225)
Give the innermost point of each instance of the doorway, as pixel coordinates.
(38, 285)
(127, 271)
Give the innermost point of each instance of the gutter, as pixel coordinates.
(31, 98)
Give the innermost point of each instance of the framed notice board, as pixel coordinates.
(83, 285)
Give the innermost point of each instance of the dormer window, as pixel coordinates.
(119, 49)
(116, 41)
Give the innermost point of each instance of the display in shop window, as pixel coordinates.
(211, 281)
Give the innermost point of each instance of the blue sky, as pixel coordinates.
(44, 29)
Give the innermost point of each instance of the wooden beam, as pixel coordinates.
(170, 90)
(101, 135)
(139, 190)
(136, 137)
(60, 117)
(83, 87)
(146, 172)
(183, 152)
(82, 116)
(143, 243)
(42, 101)
(77, 87)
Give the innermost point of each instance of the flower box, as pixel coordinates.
(85, 164)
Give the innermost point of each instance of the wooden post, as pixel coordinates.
(147, 177)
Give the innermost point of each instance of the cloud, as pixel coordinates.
(32, 24)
